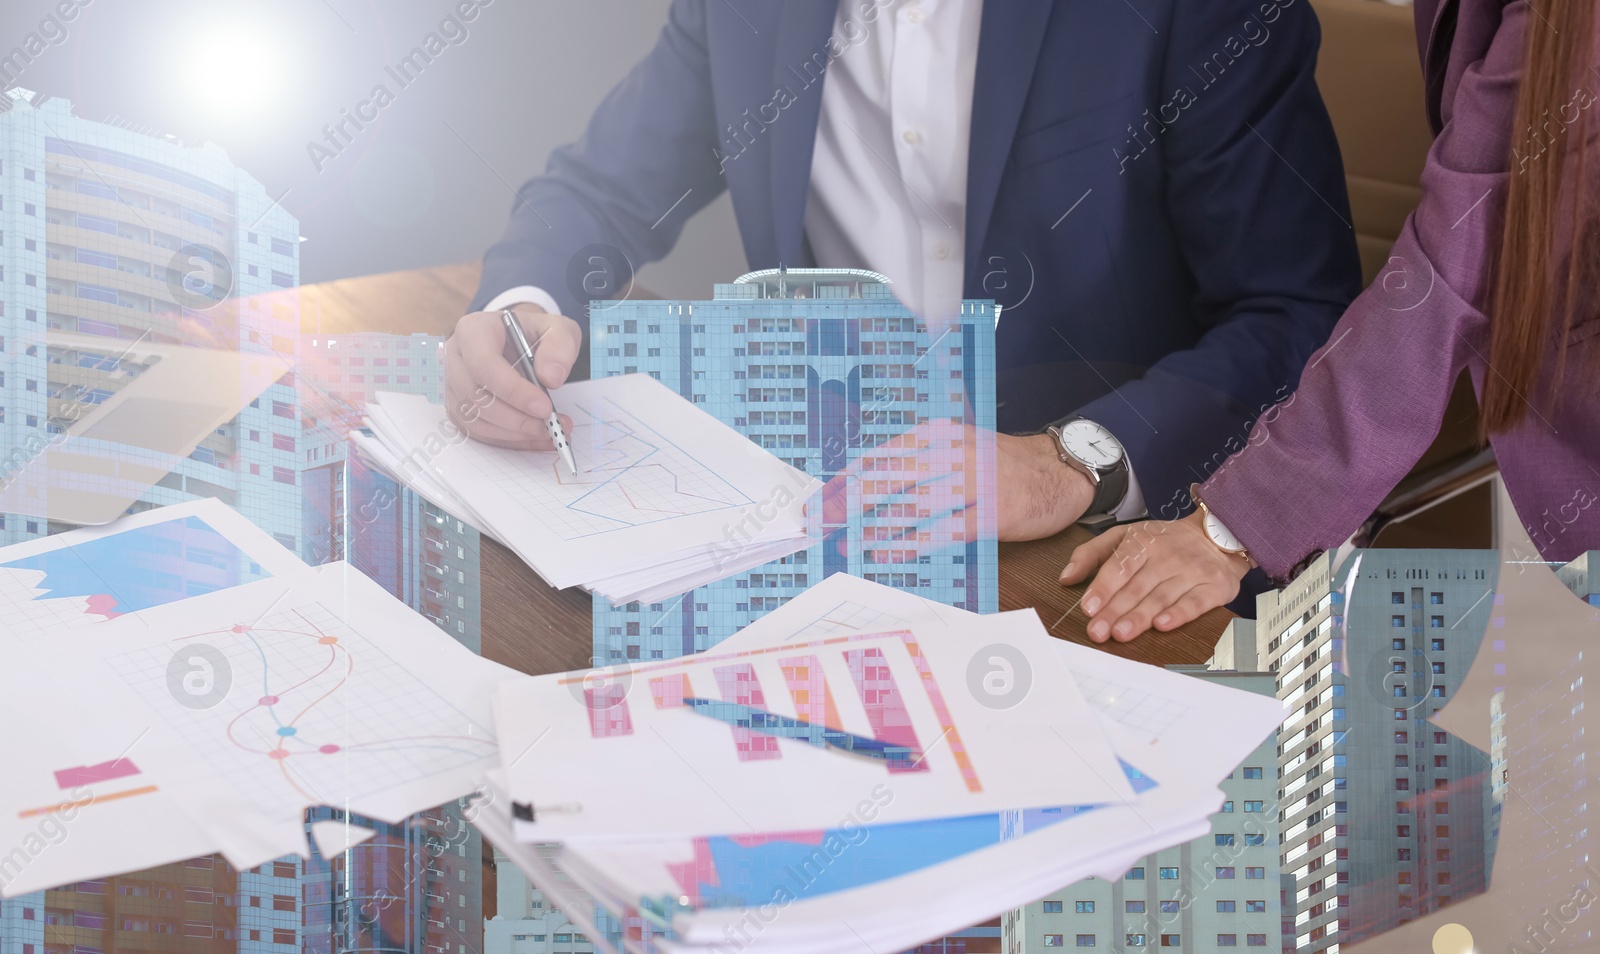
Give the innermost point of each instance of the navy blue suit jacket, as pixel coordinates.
(1154, 193)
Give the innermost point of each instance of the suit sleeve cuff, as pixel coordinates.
(524, 295)
(1132, 506)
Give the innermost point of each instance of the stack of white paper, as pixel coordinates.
(1038, 763)
(666, 497)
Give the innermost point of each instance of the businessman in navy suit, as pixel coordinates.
(1151, 188)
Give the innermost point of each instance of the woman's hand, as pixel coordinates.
(1160, 573)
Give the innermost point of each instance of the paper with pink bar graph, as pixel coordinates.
(634, 737)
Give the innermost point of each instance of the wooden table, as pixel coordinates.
(531, 627)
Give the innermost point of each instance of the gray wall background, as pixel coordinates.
(431, 180)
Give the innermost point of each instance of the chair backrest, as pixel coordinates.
(1372, 84)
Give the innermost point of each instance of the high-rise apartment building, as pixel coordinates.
(1582, 577)
(1385, 817)
(1215, 893)
(417, 887)
(524, 921)
(427, 558)
(22, 924)
(123, 236)
(825, 368)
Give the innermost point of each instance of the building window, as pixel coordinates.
(1134, 874)
(1252, 771)
(1436, 599)
(1053, 940)
(1397, 644)
(1225, 874)
(1255, 874)
(1169, 907)
(1084, 940)
(1438, 645)
(1227, 940)
(1052, 907)
(1255, 907)
(1438, 669)
(1171, 940)
(1253, 806)
(1402, 831)
(1134, 940)
(1258, 838)
(1397, 598)
(1224, 839)
(1397, 621)
(1133, 907)
(1399, 715)
(1438, 692)
(1402, 854)
(1256, 940)
(1084, 907)
(1169, 874)
(1225, 907)
(1227, 806)
(284, 475)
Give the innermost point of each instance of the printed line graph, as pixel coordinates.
(628, 475)
(316, 712)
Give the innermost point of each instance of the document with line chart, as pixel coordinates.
(244, 708)
(665, 495)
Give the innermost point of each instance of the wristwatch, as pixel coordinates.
(1090, 449)
(1217, 531)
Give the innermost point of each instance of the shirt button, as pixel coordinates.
(911, 137)
(941, 252)
(914, 16)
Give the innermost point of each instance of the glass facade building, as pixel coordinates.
(828, 371)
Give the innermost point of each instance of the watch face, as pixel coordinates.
(1221, 535)
(1091, 444)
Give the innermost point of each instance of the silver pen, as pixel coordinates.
(524, 363)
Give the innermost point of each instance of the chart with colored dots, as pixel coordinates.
(316, 690)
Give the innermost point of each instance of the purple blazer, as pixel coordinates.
(1371, 400)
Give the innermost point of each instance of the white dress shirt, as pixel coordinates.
(889, 165)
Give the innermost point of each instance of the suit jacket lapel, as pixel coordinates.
(800, 57)
(1009, 42)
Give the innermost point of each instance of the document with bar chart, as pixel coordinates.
(798, 732)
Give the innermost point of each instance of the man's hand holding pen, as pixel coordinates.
(480, 357)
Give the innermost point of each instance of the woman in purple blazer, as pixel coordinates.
(1497, 271)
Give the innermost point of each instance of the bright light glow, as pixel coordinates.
(233, 68)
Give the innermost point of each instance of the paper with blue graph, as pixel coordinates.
(241, 708)
(75, 787)
(863, 882)
(56, 584)
(666, 497)
(947, 749)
